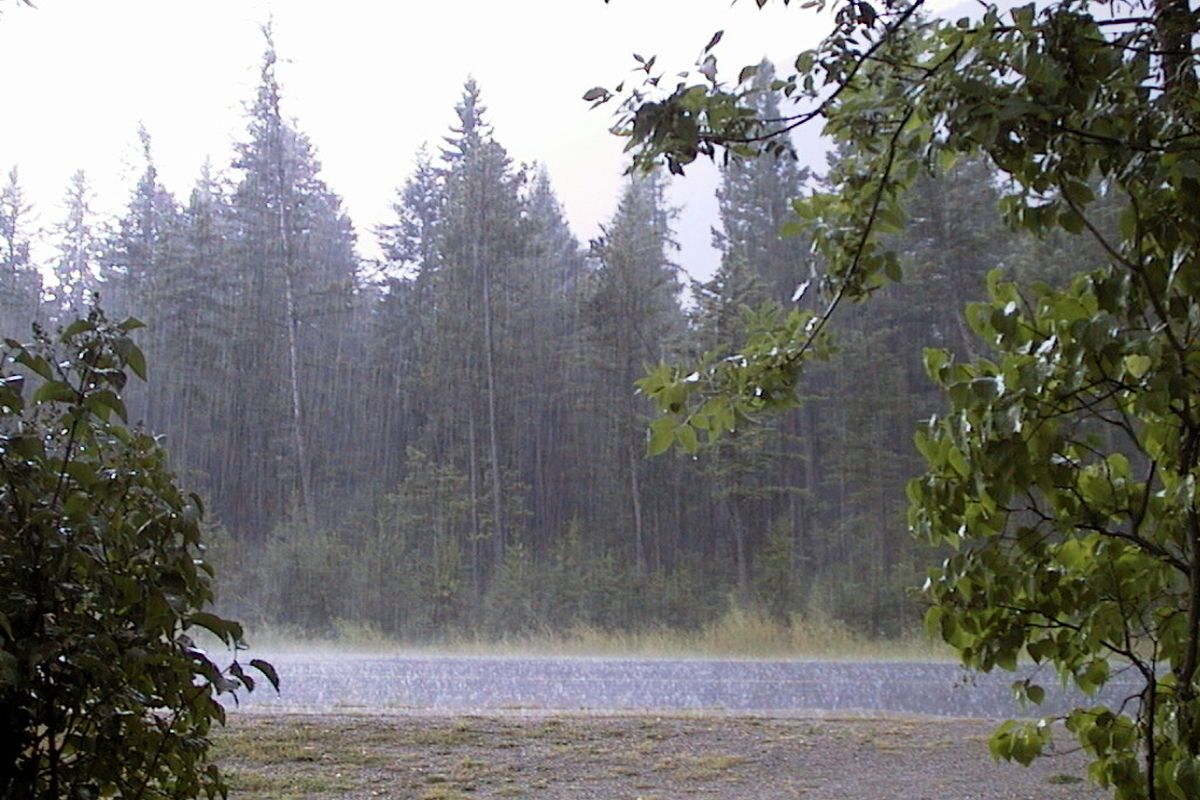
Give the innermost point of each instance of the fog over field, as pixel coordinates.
(341, 682)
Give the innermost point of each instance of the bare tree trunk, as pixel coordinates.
(1176, 28)
(183, 454)
(729, 505)
(287, 257)
(300, 440)
(473, 466)
(635, 490)
(493, 438)
(803, 548)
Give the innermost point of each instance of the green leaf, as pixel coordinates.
(957, 461)
(1093, 676)
(1070, 221)
(661, 436)
(133, 356)
(223, 629)
(37, 364)
(77, 327)
(55, 392)
(1137, 365)
(686, 436)
(934, 359)
(1078, 193)
(106, 399)
(268, 671)
(933, 622)
(1023, 16)
(82, 473)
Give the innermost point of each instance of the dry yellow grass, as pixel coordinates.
(739, 633)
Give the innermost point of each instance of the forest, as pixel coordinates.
(449, 441)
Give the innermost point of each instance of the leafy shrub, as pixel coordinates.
(103, 692)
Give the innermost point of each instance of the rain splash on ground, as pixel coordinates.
(340, 683)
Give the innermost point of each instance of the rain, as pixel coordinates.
(613, 399)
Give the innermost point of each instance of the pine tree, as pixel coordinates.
(740, 466)
(401, 342)
(633, 316)
(548, 375)
(755, 205)
(20, 282)
(481, 241)
(78, 249)
(295, 276)
(138, 266)
(198, 294)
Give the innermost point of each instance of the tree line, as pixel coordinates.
(451, 441)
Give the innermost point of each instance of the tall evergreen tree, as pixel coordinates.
(20, 282)
(755, 205)
(402, 343)
(633, 316)
(199, 296)
(78, 250)
(481, 243)
(138, 266)
(295, 266)
(549, 372)
(740, 466)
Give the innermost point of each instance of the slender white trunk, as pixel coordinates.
(476, 568)
(635, 491)
(299, 439)
(498, 540)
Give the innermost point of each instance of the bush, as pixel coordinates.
(102, 690)
(304, 576)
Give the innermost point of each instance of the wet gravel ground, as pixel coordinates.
(580, 756)
(338, 683)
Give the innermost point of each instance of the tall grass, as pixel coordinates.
(738, 633)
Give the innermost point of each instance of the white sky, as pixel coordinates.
(367, 81)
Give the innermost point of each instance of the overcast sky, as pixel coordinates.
(369, 82)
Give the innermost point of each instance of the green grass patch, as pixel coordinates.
(293, 758)
(284, 785)
(1062, 779)
(460, 734)
(702, 767)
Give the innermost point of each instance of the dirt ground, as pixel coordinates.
(588, 756)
